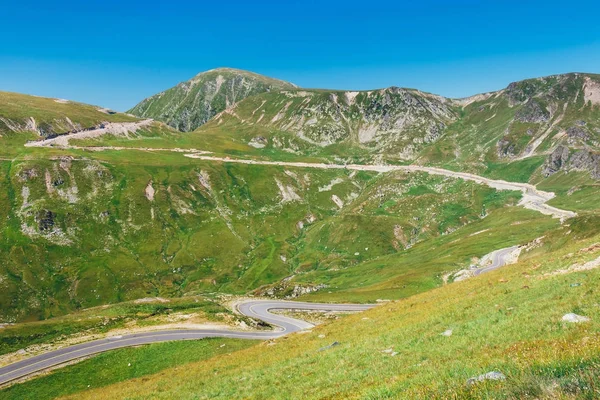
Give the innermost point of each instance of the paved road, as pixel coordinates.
(499, 258)
(258, 309)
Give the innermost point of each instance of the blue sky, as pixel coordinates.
(115, 53)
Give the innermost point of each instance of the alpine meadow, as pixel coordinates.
(239, 236)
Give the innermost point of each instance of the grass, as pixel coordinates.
(50, 115)
(508, 320)
(575, 191)
(103, 319)
(217, 227)
(122, 365)
(111, 244)
(421, 267)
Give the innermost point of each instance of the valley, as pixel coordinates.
(237, 186)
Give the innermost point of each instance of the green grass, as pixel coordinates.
(50, 115)
(517, 171)
(229, 238)
(421, 267)
(575, 191)
(121, 365)
(508, 320)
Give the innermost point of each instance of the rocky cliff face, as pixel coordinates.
(191, 103)
(581, 160)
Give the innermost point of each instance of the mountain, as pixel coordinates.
(192, 103)
(553, 120)
(391, 120)
(527, 121)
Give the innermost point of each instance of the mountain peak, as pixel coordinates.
(192, 103)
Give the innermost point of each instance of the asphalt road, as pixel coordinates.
(258, 309)
(499, 259)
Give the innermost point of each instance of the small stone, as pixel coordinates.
(388, 351)
(574, 318)
(447, 332)
(330, 346)
(321, 336)
(129, 364)
(491, 376)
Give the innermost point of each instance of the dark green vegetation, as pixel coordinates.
(122, 365)
(83, 228)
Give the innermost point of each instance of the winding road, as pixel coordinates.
(258, 309)
(499, 259)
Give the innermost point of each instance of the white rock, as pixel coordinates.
(572, 317)
(447, 332)
(492, 376)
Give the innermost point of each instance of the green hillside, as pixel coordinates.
(20, 113)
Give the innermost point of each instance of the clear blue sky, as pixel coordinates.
(115, 53)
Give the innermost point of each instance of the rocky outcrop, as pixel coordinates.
(581, 160)
(585, 160)
(506, 148)
(191, 103)
(556, 161)
(532, 112)
(577, 133)
(46, 220)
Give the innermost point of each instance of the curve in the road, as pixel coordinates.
(499, 259)
(259, 309)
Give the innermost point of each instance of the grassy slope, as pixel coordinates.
(421, 268)
(121, 365)
(46, 111)
(192, 261)
(508, 320)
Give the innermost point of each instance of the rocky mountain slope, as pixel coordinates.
(392, 120)
(550, 118)
(191, 103)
